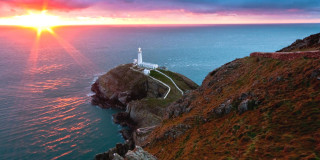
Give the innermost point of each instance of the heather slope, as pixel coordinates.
(251, 108)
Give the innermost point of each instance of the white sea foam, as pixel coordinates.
(96, 76)
(90, 94)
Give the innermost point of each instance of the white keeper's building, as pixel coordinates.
(140, 63)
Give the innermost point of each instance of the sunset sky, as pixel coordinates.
(92, 12)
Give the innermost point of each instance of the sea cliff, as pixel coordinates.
(256, 107)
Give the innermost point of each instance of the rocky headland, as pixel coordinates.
(141, 99)
(265, 106)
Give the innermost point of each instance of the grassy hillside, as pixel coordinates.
(281, 119)
(181, 81)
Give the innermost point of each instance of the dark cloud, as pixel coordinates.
(263, 6)
(217, 6)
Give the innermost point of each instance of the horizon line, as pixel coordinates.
(168, 24)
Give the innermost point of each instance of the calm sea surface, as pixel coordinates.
(45, 110)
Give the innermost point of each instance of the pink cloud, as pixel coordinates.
(65, 5)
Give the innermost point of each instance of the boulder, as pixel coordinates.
(243, 106)
(224, 108)
(139, 154)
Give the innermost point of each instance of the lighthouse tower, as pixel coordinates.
(139, 56)
(142, 64)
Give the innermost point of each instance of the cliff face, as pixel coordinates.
(254, 108)
(141, 99)
(309, 43)
(122, 85)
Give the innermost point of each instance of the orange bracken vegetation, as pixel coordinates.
(282, 120)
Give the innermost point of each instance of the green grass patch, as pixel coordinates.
(174, 93)
(177, 79)
(158, 102)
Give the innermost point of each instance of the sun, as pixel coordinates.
(40, 21)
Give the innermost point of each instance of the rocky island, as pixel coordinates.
(257, 107)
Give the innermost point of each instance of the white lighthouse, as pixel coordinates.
(139, 56)
(140, 63)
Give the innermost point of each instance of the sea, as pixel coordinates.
(45, 79)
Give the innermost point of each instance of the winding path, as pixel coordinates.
(170, 80)
(169, 88)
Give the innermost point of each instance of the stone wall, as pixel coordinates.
(287, 55)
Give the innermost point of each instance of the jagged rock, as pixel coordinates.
(190, 108)
(136, 154)
(145, 130)
(120, 117)
(126, 133)
(223, 108)
(124, 119)
(114, 96)
(243, 106)
(139, 154)
(117, 157)
(120, 149)
(141, 134)
(244, 96)
(124, 97)
(176, 131)
(179, 107)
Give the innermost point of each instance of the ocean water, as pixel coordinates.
(45, 110)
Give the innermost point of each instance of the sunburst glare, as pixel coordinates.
(40, 21)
